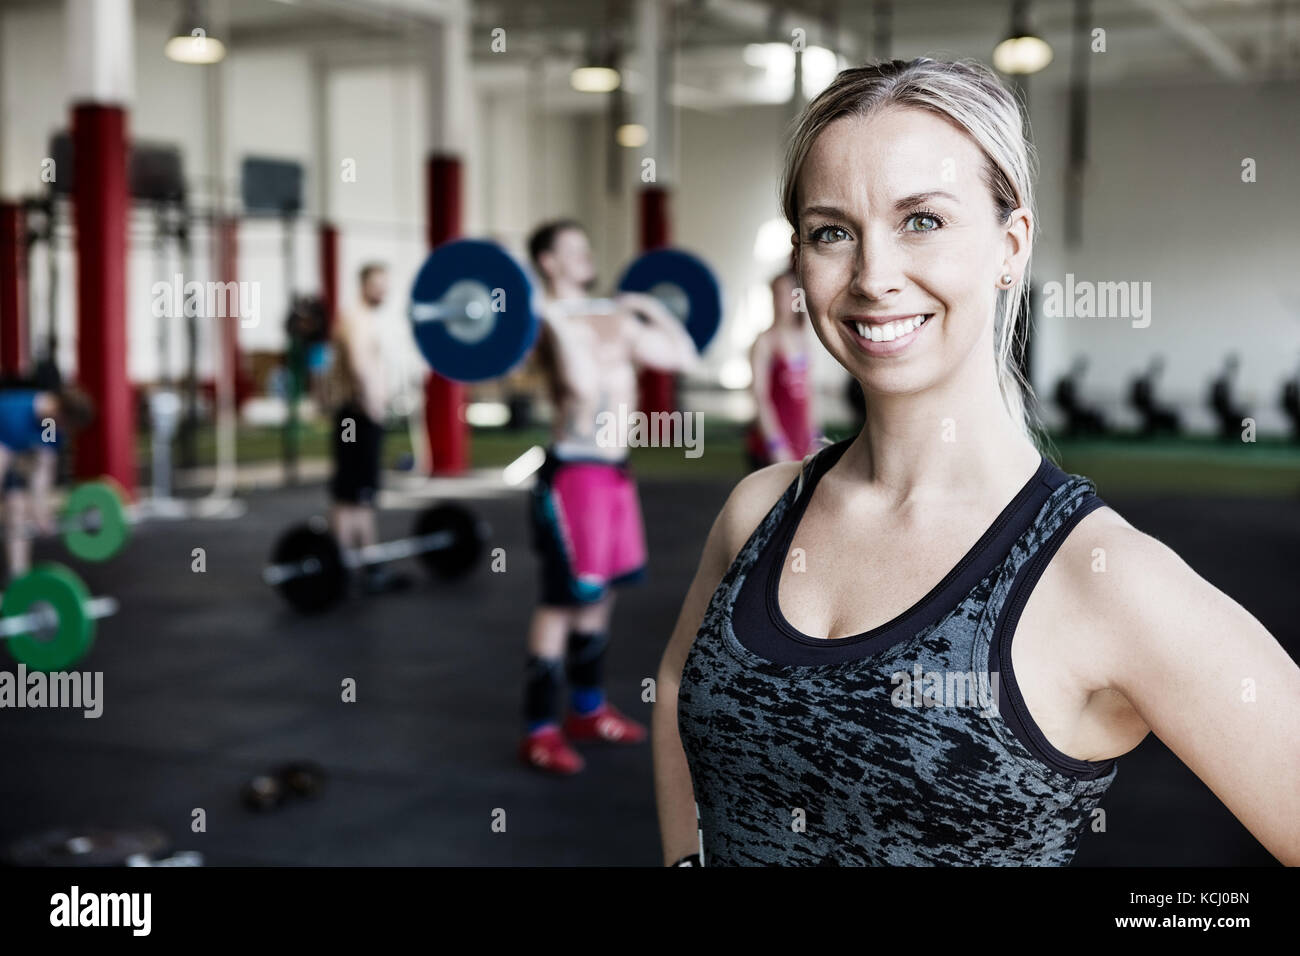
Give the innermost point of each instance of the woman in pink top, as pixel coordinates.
(786, 428)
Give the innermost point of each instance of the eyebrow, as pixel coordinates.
(905, 203)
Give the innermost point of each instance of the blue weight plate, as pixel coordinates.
(694, 281)
(492, 350)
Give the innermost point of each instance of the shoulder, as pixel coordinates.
(1136, 600)
(749, 503)
(744, 510)
(1105, 557)
(344, 323)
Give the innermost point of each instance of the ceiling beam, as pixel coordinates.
(1198, 36)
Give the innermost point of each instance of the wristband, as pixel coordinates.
(692, 860)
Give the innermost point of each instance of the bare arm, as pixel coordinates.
(661, 342)
(749, 502)
(42, 480)
(360, 345)
(673, 792)
(814, 402)
(1209, 680)
(760, 361)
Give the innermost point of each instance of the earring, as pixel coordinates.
(1006, 278)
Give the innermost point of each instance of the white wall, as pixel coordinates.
(1164, 203)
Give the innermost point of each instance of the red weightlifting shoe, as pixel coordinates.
(606, 723)
(546, 749)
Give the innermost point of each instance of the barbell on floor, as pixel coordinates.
(310, 569)
(474, 308)
(47, 617)
(95, 523)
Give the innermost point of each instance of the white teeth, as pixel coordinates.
(890, 330)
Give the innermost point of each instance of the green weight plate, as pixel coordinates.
(109, 534)
(59, 587)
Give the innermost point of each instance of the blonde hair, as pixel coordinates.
(970, 95)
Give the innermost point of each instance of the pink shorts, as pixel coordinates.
(587, 529)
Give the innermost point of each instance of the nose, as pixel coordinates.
(878, 270)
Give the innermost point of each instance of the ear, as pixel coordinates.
(1017, 242)
(545, 262)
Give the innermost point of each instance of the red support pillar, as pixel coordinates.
(329, 270)
(100, 205)
(13, 289)
(228, 271)
(658, 389)
(444, 400)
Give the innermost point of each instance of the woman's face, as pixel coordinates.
(895, 222)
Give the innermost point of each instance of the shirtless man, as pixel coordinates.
(359, 389)
(586, 517)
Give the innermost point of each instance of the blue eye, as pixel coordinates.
(926, 214)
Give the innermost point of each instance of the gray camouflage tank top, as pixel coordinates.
(909, 744)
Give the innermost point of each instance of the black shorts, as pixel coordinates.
(356, 462)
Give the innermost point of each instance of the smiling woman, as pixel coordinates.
(929, 644)
(958, 193)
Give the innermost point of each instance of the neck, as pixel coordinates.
(564, 289)
(954, 441)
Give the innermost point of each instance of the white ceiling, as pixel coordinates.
(1147, 40)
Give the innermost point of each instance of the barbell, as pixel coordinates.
(474, 308)
(47, 617)
(95, 523)
(310, 569)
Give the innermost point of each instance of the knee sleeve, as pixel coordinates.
(585, 659)
(541, 689)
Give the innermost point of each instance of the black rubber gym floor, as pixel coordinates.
(209, 678)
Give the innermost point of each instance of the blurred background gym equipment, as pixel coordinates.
(310, 570)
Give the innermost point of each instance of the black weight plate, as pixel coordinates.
(302, 778)
(461, 556)
(91, 846)
(312, 592)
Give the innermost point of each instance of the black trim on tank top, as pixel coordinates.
(1011, 703)
(762, 628)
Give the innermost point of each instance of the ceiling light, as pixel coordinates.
(1023, 51)
(631, 135)
(594, 79)
(192, 40)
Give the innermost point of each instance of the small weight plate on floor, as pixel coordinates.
(310, 593)
(111, 532)
(262, 792)
(461, 555)
(60, 588)
(302, 778)
(91, 846)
